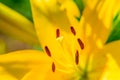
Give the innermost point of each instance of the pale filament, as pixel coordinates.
(61, 63)
(60, 39)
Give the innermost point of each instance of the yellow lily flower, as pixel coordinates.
(73, 51)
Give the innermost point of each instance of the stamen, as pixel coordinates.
(47, 51)
(80, 43)
(77, 57)
(73, 30)
(53, 67)
(57, 33)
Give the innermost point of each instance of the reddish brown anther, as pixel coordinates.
(57, 33)
(77, 57)
(53, 67)
(80, 43)
(47, 51)
(73, 30)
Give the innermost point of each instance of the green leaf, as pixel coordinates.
(80, 6)
(115, 33)
(21, 6)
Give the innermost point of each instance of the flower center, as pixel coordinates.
(83, 73)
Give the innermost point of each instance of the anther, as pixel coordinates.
(47, 51)
(77, 57)
(73, 30)
(80, 43)
(57, 33)
(53, 67)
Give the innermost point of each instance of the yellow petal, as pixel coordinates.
(95, 24)
(38, 73)
(5, 75)
(50, 9)
(57, 75)
(117, 7)
(96, 21)
(106, 63)
(113, 49)
(18, 63)
(97, 65)
(45, 73)
(112, 70)
(69, 6)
